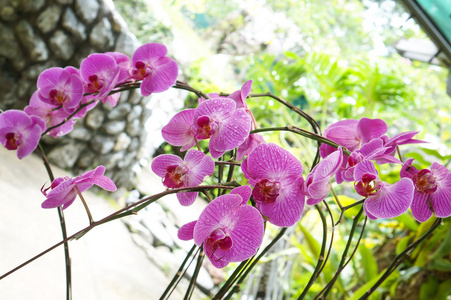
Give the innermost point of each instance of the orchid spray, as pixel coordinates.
(255, 188)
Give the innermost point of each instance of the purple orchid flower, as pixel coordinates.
(60, 87)
(50, 116)
(252, 141)
(317, 184)
(64, 189)
(151, 65)
(219, 120)
(352, 134)
(123, 61)
(19, 131)
(178, 131)
(382, 199)
(276, 176)
(178, 173)
(100, 74)
(432, 190)
(229, 229)
(239, 97)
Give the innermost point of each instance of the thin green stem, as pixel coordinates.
(304, 133)
(344, 257)
(321, 254)
(237, 286)
(234, 277)
(180, 272)
(91, 220)
(192, 283)
(400, 258)
(126, 211)
(62, 226)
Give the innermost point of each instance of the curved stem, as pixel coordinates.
(304, 133)
(400, 258)
(343, 262)
(178, 276)
(63, 228)
(237, 286)
(192, 283)
(184, 86)
(126, 211)
(319, 264)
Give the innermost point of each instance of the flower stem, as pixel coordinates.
(63, 229)
(400, 258)
(177, 275)
(192, 283)
(91, 220)
(320, 262)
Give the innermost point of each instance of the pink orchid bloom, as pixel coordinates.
(432, 190)
(317, 184)
(151, 65)
(220, 121)
(252, 141)
(64, 189)
(228, 228)
(352, 134)
(177, 173)
(50, 116)
(19, 131)
(60, 87)
(123, 61)
(100, 74)
(382, 199)
(276, 176)
(178, 131)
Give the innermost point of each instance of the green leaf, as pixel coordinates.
(313, 244)
(440, 265)
(369, 263)
(402, 244)
(444, 290)
(364, 288)
(428, 288)
(445, 247)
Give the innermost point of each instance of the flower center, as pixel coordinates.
(266, 191)
(369, 185)
(175, 176)
(425, 182)
(57, 97)
(12, 141)
(218, 239)
(140, 71)
(95, 84)
(206, 127)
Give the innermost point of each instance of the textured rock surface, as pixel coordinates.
(39, 34)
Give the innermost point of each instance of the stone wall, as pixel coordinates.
(38, 34)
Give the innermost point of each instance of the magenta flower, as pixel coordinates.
(382, 199)
(177, 173)
(178, 131)
(317, 184)
(352, 134)
(220, 121)
(60, 87)
(123, 61)
(229, 229)
(276, 176)
(432, 190)
(64, 189)
(151, 65)
(100, 74)
(19, 131)
(252, 141)
(50, 116)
